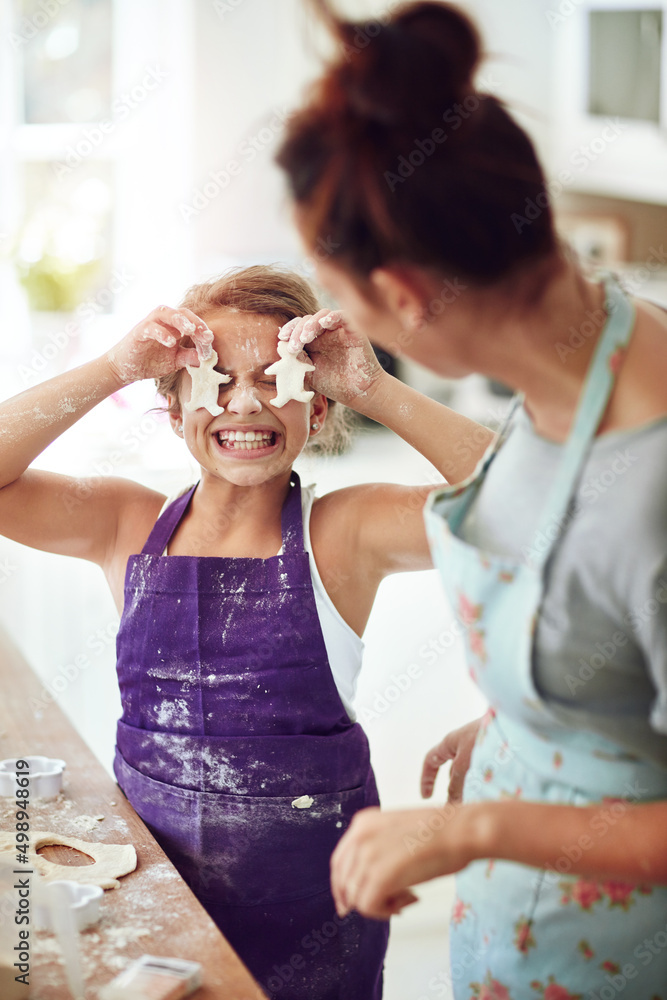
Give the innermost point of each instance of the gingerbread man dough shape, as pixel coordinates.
(206, 385)
(290, 373)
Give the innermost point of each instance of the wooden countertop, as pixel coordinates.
(153, 911)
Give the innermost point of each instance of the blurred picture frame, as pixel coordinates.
(599, 238)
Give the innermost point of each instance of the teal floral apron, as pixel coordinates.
(519, 933)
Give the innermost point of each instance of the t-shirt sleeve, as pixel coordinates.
(649, 620)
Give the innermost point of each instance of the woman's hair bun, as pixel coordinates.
(447, 29)
(433, 46)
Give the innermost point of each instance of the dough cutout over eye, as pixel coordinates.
(290, 373)
(206, 385)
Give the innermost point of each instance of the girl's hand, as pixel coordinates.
(457, 746)
(345, 363)
(153, 347)
(383, 854)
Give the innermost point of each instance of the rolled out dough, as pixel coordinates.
(290, 373)
(111, 860)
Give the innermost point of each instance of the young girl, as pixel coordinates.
(243, 602)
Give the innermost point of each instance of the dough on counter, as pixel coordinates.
(111, 860)
(290, 373)
(206, 385)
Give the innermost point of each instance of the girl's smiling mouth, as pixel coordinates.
(255, 442)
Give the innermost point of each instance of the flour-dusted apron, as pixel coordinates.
(519, 933)
(230, 715)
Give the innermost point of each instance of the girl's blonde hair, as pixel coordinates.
(266, 290)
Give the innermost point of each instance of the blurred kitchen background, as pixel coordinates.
(136, 145)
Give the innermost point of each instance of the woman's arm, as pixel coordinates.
(58, 513)
(383, 854)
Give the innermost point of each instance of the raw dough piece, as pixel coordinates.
(111, 860)
(289, 372)
(206, 385)
(303, 802)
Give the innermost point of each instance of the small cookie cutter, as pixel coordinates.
(45, 774)
(83, 902)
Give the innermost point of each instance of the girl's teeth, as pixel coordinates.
(245, 440)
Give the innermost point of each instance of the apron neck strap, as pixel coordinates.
(598, 385)
(166, 524)
(292, 517)
(291, 521)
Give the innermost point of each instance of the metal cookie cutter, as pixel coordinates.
(45, 774)
(83, 902)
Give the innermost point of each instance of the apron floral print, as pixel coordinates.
(519, 933)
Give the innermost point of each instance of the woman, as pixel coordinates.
(553, 554)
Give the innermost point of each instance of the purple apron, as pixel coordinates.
(230, 714)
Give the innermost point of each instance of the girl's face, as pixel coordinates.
(253, 441)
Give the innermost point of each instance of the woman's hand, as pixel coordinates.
(345, 363)
(457, 746)
(154, 346)
(383, 854)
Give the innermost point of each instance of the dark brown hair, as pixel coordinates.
(397, 158)
(265, 290)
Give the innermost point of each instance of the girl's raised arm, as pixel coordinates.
(45, 510)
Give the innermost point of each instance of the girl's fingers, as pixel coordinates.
(332, 320)
(187, 356)
(395, 904)
(285, 332)
(341, 873)
(433, 761)
(155, 331)
(304, 329)
(184, 321)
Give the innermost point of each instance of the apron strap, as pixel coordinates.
(292, 518)
(166, 525)
(598, 385)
